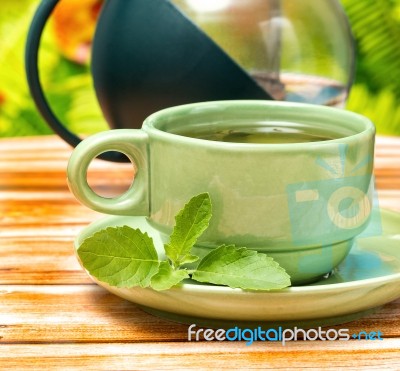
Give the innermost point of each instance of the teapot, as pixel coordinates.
(152, 54)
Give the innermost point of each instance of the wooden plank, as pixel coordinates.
(88, 313)
(35, 182)
(39, 164)
(42, 260)
(35, 164)
(42, 176)
(20, 145)
(30, 215)
(77, 313)
(318, 355)
(387, 172)
(389, 199)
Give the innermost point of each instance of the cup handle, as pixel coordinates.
(132, 143)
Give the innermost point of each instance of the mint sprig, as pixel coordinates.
(190, 223)
(168, 277)
(126, 257)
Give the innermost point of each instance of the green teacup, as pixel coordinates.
(291, 180)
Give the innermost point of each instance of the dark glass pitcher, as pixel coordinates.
(152, 54)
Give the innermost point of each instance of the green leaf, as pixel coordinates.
(191, 222)
(241, 268)
(122, 257)
(167, 277)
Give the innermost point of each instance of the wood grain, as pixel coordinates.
(383, 355)
(53, 317)
(44, 259)
(77, 313)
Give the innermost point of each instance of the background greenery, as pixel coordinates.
(68, 85)
(376, 92)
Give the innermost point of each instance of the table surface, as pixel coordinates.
(52, 315)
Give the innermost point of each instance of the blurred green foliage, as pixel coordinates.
(68, 85)
(376, 92)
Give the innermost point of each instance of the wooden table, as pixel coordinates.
(52, 315)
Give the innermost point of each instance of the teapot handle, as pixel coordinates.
(39, 21)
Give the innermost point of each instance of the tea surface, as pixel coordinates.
(271, 133)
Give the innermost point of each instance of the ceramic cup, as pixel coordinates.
(301, 203)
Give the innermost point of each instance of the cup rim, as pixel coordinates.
(152, 122)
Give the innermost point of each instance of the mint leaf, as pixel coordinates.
(167, 277)
(191, 222)
(241, 268)
(122, 257)
(126, 257)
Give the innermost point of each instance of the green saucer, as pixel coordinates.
(367, 279)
